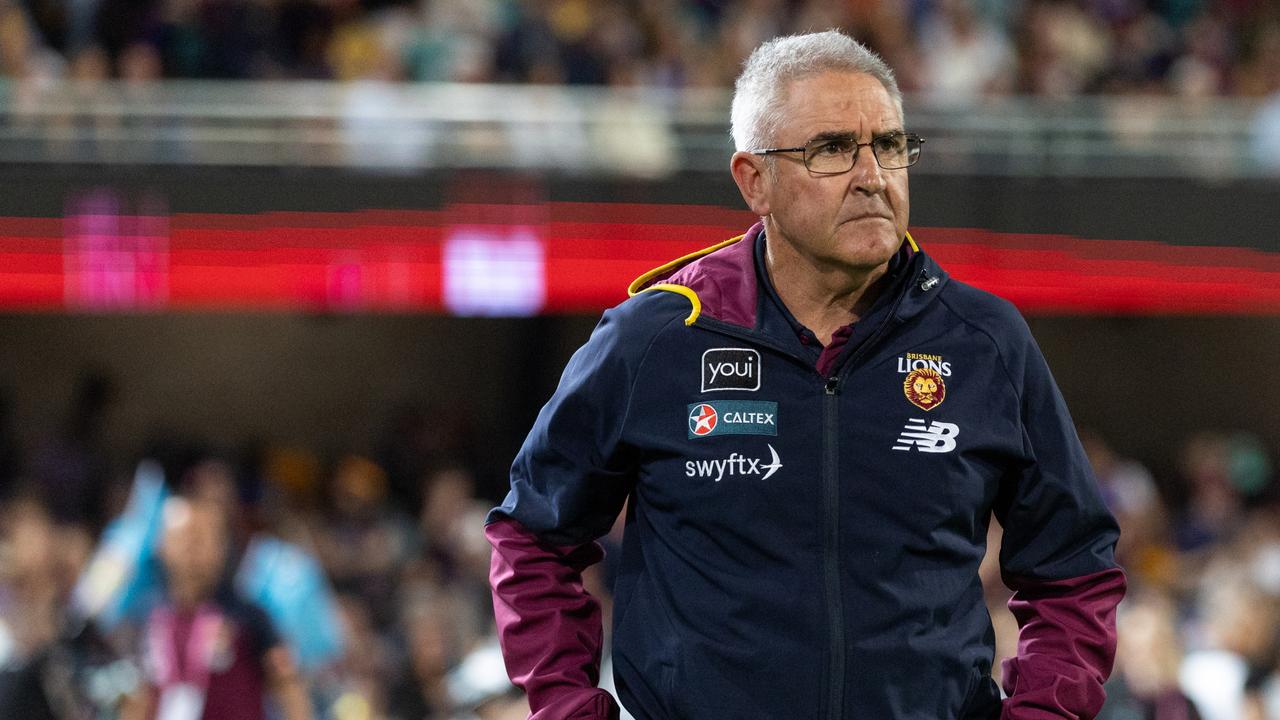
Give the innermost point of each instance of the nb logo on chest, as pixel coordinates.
(934, 437)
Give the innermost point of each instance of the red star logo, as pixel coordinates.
(702, 420)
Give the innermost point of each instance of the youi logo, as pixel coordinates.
(730, 369)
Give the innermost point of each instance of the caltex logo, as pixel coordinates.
(703, 419)
(732, 417)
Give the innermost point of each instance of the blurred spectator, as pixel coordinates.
(364, 540)
(22, 54)
(359, 689)
(209, 655)
(302, 31)
(1063, 48)
(29, 611)
(1234, 676)
(42, 559)
(1144, 685)
(452, 530)
(1222, 473)
(213, 482)
(1214, 504)
(964, 57)
(1259, 71)
(292, 479)
(1130, 492)
(1202, 69)
(420, 690)
(34, 581)
(448, 48)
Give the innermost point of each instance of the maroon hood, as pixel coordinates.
(722, 279)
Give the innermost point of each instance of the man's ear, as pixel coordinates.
(753, 179)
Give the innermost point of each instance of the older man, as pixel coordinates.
(814, 425)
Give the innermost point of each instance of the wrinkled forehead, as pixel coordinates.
(837, 100)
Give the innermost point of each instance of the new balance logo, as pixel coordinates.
(933, 437)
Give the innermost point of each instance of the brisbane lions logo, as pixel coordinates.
(924, 388)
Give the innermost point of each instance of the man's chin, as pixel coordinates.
(871, 248)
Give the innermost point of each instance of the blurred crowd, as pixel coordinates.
(953, 48)
(397, 533)
(1200, 626)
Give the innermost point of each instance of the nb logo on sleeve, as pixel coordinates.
(930, 437)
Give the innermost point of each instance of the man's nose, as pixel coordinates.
(867, 175)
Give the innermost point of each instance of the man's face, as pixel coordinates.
(856, 219)
(193, 549)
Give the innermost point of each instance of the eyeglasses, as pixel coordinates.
(836, 155)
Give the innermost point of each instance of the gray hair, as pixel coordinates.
(760, 91)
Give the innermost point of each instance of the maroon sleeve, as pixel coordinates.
(549, 626)
(1066, 645)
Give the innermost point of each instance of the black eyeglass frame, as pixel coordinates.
(857, 147)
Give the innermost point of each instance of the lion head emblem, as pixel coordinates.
(924, 388)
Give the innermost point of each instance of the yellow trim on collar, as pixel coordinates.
(685, 291)
(637, 286)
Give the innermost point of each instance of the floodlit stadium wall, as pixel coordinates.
(291, 292)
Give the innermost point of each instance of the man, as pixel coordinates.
(814, 425)
(209, 654)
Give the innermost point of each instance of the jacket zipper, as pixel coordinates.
(831, 545)
(831, 485)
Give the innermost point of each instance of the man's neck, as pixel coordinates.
(822, 297)
(188, 599)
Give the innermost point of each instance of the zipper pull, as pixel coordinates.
(928, 281)
(832, 385)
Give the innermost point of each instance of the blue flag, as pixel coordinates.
(290, 586)
(123, 581)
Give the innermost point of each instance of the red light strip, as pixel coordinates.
(392, 261)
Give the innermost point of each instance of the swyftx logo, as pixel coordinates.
(736, 465)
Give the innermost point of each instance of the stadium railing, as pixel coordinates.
(591, 131)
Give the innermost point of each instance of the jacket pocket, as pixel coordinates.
(983, 702)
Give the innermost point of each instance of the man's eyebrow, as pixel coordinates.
(833, 135)
(845, 134)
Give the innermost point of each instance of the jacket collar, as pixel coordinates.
(722, 283)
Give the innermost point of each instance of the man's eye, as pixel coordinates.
(891, 143)
(835, 147)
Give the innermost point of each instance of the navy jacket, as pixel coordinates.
(804, 543)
